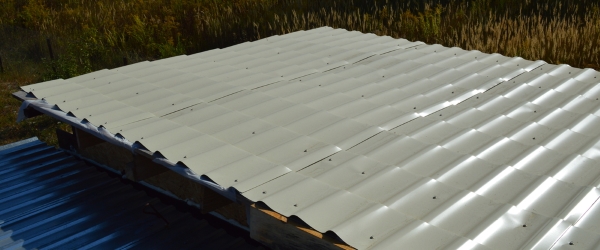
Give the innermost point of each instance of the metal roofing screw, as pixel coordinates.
(64, 101)
(434, 197)
(305, 151)
(362, 96)
(478, 97)
(440, 114)
(264, 192)
(252, 132)
(452, 92)
(295, 205)
(571, 243)
(517, 65)
(234, 180)
(363, 172)
(534, 111)
(136, 93)
(329, 159)
(534, 138)
(78, 108)
(524, 225)
(540, 87)
(371, 237)
(569, 72)
(173, 104)
(184, 156)
(142, 138)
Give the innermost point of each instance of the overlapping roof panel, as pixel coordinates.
(383, 141)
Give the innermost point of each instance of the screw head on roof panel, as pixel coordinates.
(184, 156)
(253, 132)
(534, 138)
(524, 225)
(534, 111)
(371, 237)
(434, 197)
(571, 243)
(305, 151)
(264, 192)
(295, 205)
(329, 159)
(363, 172)
(234, 180)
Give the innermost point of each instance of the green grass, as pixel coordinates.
(92, 35)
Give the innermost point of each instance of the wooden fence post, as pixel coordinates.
(1, 65)
(51, 53)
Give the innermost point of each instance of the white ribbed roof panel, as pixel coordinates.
(387, 143)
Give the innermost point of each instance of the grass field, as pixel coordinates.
(92, 35)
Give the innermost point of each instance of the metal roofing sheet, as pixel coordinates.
(50, 200)
(381, 141)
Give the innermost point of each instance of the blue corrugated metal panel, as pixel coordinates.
(51, 200)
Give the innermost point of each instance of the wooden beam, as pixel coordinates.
(278, 232)
(85, 139)
(143, 166)
(212, 201)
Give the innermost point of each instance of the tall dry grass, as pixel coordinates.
(105, 30)
(91, 35)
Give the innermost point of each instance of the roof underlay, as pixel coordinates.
(383, 141)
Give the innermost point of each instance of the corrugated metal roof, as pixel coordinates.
(385, 142)
(50, 200)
